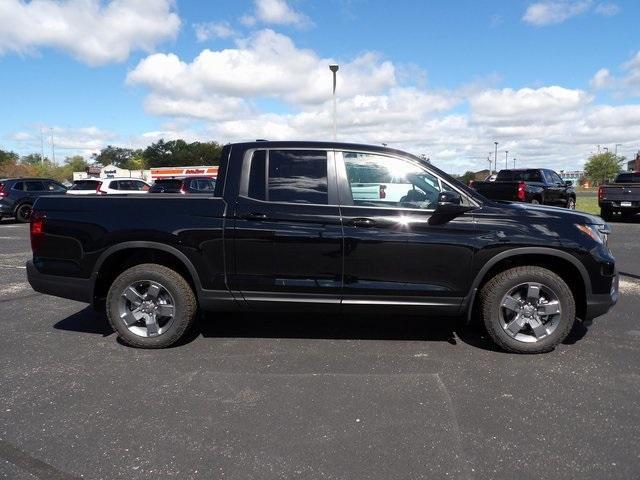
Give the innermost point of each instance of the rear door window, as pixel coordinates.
(34, 186)
(293, 176)
(18, 186)
(84, 185)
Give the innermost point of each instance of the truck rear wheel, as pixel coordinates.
(527, 309)
(151, 306)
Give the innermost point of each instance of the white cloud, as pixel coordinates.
(631, 79)
(92, 31)
(212, 30)
(276, 12)
(267, 64)
(607, 9)
(601, 79)
(67, 141)
(546, 105)
(268, 87)
(550, 12)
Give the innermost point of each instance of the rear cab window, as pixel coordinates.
(85, 185)
(631, 177)
(519, 176)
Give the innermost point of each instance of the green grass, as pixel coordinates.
(588, 204)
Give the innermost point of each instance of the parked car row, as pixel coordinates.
(17, 195)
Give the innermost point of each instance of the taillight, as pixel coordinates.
(600, 192)
(98, 189)
(521, 191)
(183, 188)
(37, 224)
(2, 192)
(383, 191)
(472, 184)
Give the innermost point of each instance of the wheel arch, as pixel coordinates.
(118, 258)
(562, 263)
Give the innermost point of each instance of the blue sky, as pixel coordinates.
(549, 80)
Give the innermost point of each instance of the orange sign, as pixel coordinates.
(167, 172)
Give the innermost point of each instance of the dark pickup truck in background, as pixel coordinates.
(537, 186)
(622, 196)
(312, 226)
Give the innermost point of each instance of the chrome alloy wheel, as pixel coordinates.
(146, 308)
(530, 312)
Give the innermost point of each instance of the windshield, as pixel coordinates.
(84, 185)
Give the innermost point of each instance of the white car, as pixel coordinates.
(108, 186)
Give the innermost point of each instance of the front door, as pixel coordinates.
(396, 251)
(287, 230)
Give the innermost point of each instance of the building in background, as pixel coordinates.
(111, 171)
(574, 176)
(634, 165)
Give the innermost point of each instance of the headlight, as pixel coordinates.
(599, 233)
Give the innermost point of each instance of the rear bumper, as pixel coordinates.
(600, 304)
(79, 289)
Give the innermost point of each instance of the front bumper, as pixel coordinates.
(599, 304)
(79, 289)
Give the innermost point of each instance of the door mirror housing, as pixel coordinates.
(449, 206)
(568, 183)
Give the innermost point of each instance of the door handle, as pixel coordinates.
(253, 216)
(362, 222)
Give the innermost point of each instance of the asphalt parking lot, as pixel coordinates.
(310, 397)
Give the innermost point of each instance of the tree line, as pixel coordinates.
(162, 153)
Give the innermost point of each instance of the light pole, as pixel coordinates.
(334, 69)
(490, 162)
(506, 155)
(514, 163)
(495, 157)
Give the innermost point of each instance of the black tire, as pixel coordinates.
(23, 213)
(571, 203)
(185, 305)
(497, 288)
(606, 213)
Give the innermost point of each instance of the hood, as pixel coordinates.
(557, 213)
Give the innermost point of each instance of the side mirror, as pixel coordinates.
(568, 183)
(448, 197)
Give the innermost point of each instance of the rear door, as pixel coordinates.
(288, 232)
(395, 252)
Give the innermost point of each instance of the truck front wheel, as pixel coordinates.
(151, 306)
(527, 309)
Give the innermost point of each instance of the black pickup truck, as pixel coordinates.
(537, 186)
(622, 196)
(325, 226)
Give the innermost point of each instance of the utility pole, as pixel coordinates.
(514, 163)
(506, 154)
(53, 149)
(41, 144)
(495, 157)
(617, 145)
(334, 69)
